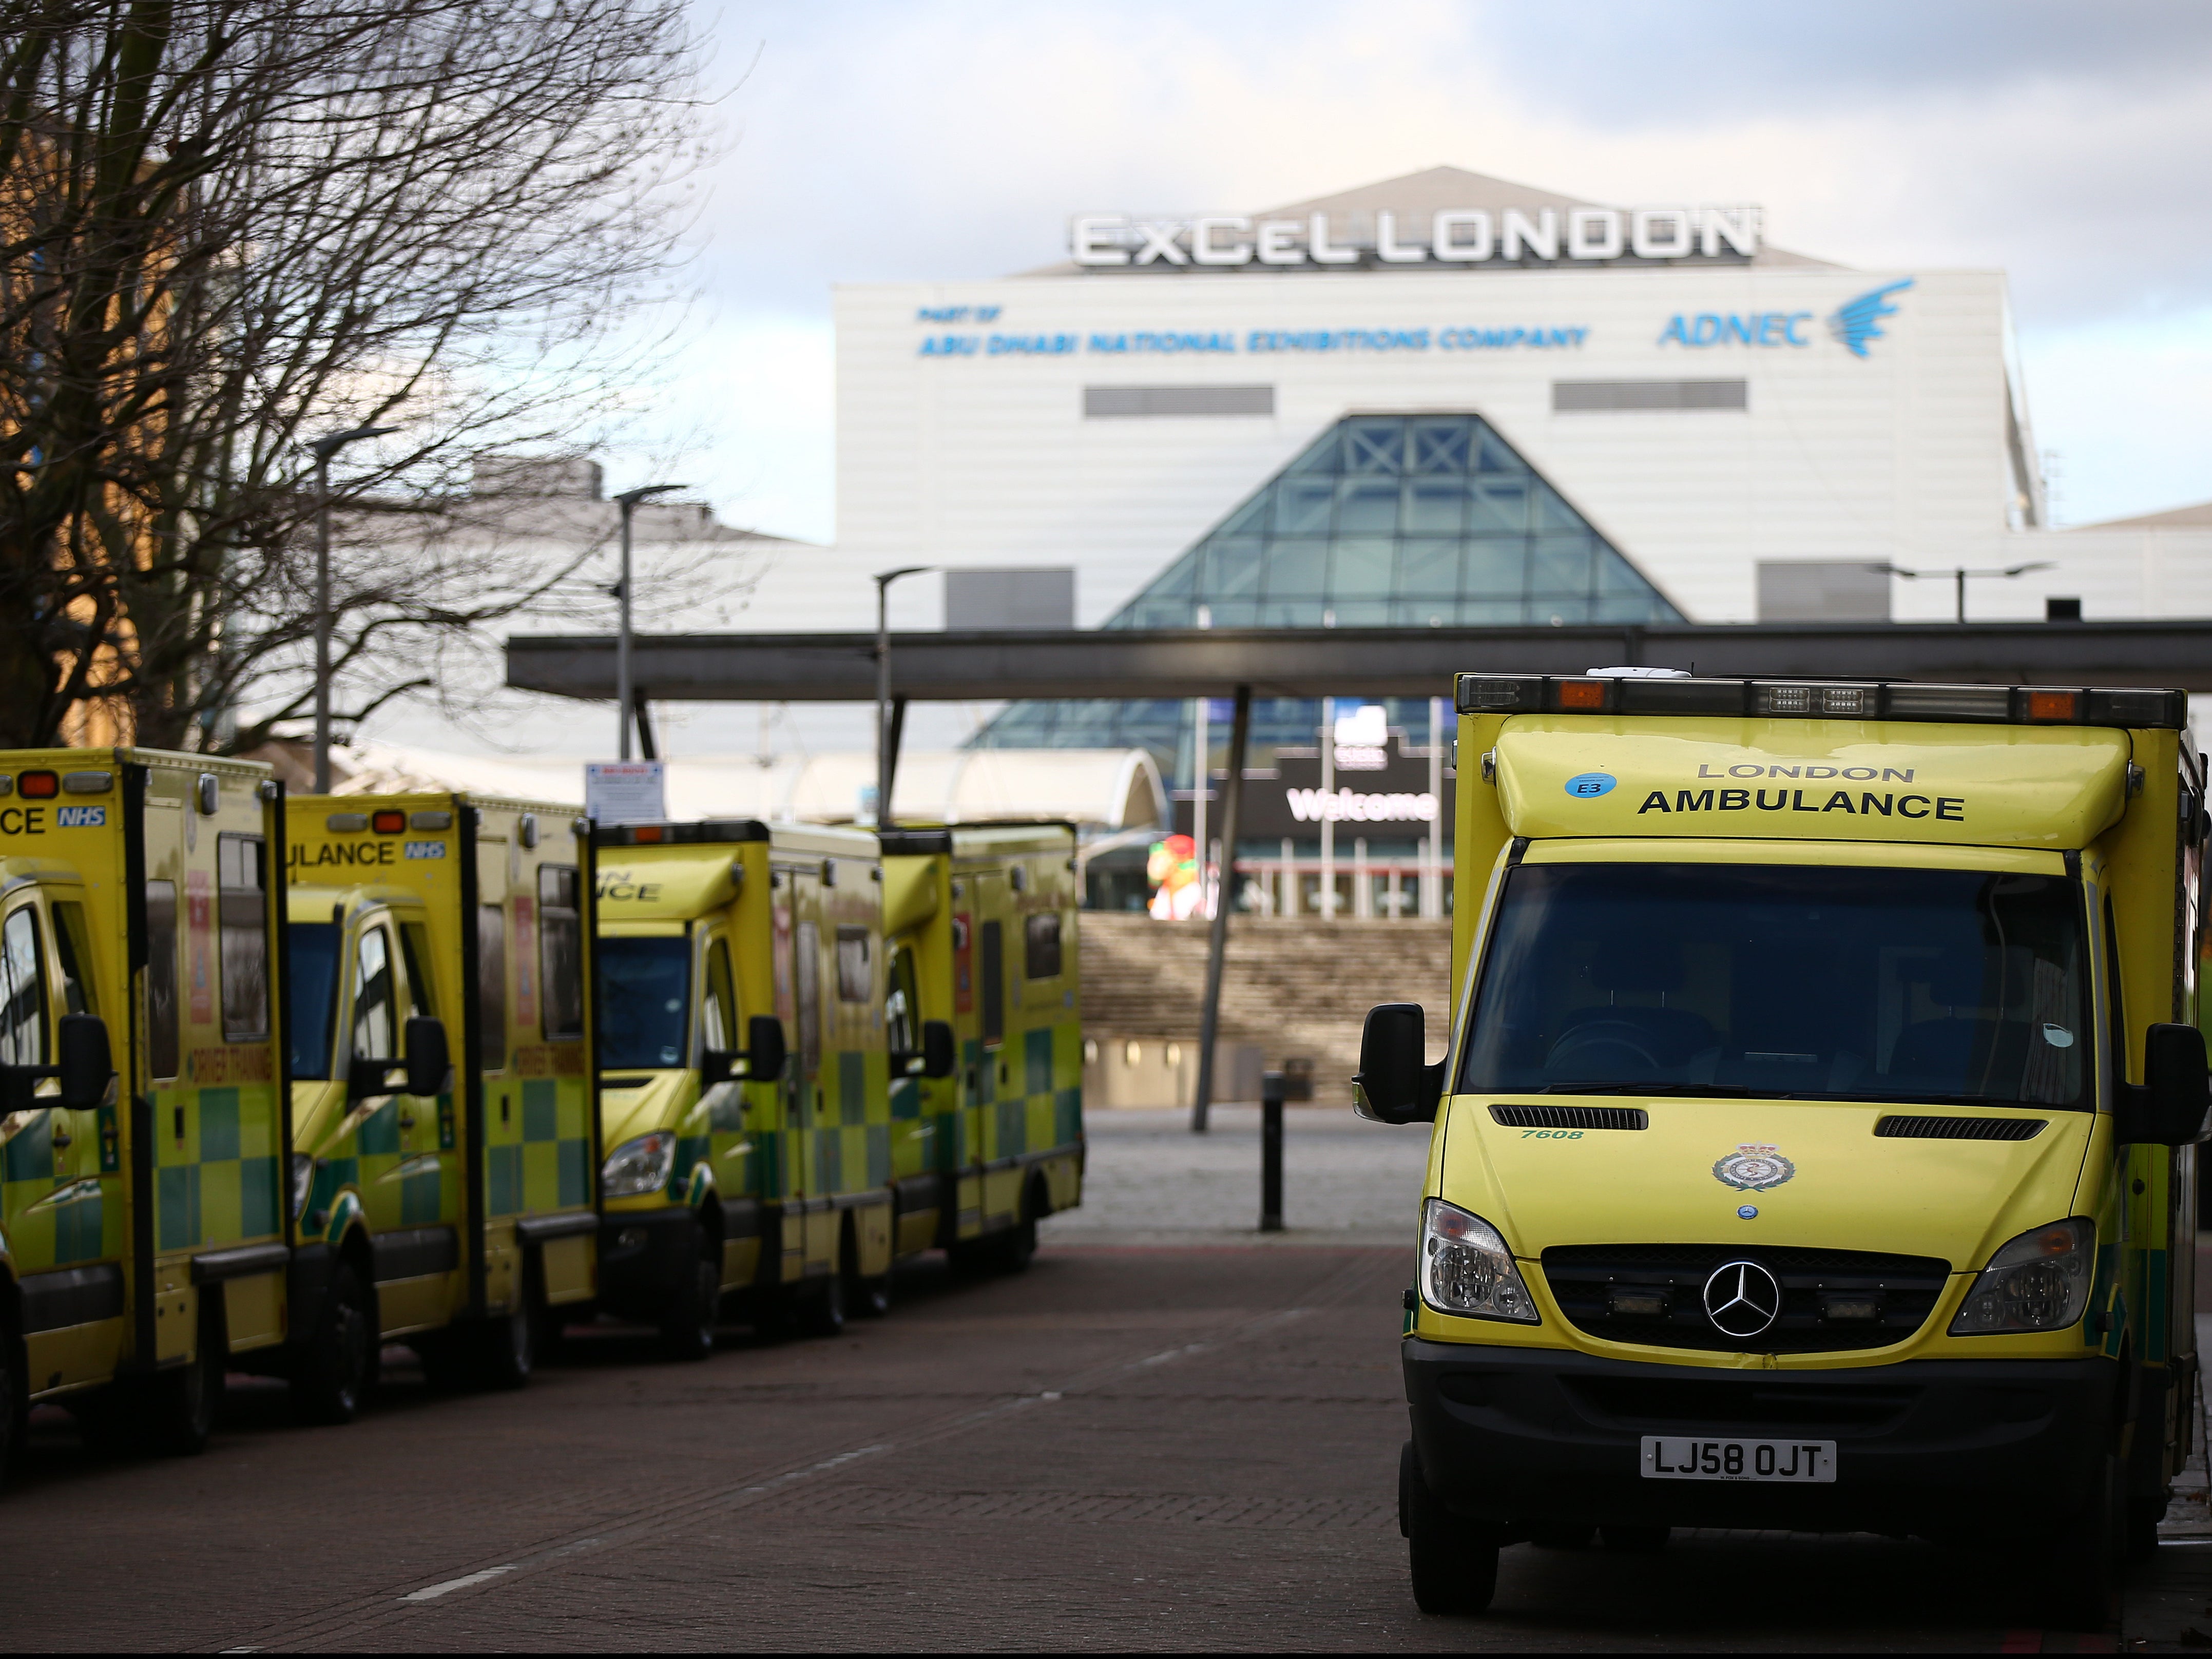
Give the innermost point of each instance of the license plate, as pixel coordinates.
(1805, 1461)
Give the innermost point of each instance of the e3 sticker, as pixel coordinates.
(1753, 1169)
(1588, 786)
(82, 817)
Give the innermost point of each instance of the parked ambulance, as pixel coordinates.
(1815, 1145)
(144, 1248)
(443, 1143)
(821, 1051)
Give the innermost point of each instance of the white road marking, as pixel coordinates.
(436, 1590)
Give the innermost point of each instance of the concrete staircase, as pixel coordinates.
(1293, 985)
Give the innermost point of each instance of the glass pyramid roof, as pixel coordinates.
(1404, 521)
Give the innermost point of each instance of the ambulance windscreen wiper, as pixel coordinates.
(1725, 1090)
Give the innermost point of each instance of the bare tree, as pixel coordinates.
(228, 227)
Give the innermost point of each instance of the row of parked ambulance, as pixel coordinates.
(289, 1080)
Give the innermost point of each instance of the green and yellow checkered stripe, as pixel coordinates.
(215, 1168)
(539, 1159)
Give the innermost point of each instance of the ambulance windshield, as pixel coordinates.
(314, 975)
(1784, 982)
(643, 983)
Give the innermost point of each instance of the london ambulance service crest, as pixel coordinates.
(1753, 1169)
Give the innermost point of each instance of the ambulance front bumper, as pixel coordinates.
(1546, 1437)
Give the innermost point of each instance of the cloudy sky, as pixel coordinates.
(2066, 144)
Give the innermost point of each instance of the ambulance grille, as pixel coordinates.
(1654, 1295)
(1572, 1117)
(1960, 1128)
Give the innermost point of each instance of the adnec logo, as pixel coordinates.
(1588, 786)
(1857, 321)
(1853, 323)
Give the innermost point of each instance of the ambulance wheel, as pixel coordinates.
(2085, 1570)
(335, 1374)
(819, 1306)
(1634, 1540)
(870, 1299)
(181, 1403)
(687, 1328)
(507, 1348)
(14, 1402)
(2143, 1515)
(1454, 1562)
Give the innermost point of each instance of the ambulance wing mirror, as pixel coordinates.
(87, 1066)
(938, 1058)
(1393, 1085)
(427, 1062)
(2170, 1108)
(764, 1055)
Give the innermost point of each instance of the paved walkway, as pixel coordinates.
(1344, 1181)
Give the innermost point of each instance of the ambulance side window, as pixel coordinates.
(853, 965)
(561, 943)
(161, 1035)
(1041, 945)
(491, 988)
(243, 916)
(414, 952)
(718, 1008)
(809, 963)
(22, 992)
(374, 1036)
(73, 944)
(902, 1026)
(994, 982)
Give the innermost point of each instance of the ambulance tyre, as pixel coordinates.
(335, 1372)
(181, 1403)
(869, 1297)
(2143, 1515)
(507, 1348)
(818, 1306)
(2086, 1567)
(687, 1328)
(15, 1400)
(1454, 1562)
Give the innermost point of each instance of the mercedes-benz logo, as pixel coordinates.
(1742, 1298)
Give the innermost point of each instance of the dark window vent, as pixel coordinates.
(1959, 1128)
(1606, 397)
(1572, 1117)
(1102, 403)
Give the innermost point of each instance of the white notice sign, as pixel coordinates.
(625, 792)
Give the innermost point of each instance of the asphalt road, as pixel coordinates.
(1168, 1445)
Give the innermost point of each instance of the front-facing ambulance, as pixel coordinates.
(1815, 1148)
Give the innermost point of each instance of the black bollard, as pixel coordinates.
(1271, 1152)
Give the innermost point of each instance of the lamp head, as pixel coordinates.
(630, 498)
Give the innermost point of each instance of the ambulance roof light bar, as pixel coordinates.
(1612, 692)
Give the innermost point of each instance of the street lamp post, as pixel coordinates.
(1959, 573)
(624, 696)
(884, 759)
(324, 448)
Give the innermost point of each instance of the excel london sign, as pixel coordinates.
(1452, 238)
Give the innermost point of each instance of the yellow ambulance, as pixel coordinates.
(1815, 1145)
(981, 920)
(438, 962)
(143, 1245)
(787, 1109)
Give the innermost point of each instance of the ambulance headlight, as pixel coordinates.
(2038, 1282)
(640, 1166)
(1466, 1270)
(303, 1180)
